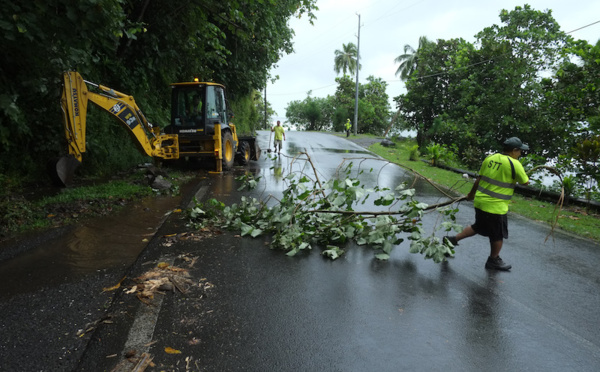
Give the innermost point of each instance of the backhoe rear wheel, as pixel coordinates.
(243, 156)
(228, 150)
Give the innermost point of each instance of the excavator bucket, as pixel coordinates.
(61, 170)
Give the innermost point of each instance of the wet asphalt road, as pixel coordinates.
(258, 310)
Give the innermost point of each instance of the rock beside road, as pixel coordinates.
(365, 142)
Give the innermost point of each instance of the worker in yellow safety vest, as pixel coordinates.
(348, 127)
(279, 136)
(491, 193)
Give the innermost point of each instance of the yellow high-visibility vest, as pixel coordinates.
(499, 175)
(278, 133)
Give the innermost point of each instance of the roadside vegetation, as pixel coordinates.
(34, 208)
(577, 220)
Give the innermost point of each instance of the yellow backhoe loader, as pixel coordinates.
(200, 125)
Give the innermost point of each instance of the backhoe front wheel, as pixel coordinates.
(228, 150)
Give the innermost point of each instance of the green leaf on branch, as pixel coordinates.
(339, 200)
(246, 229)
(333, 252)
(382, 256)
(385, 200)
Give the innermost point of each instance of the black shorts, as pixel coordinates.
(494, 226)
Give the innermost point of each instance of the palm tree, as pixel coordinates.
(345, 59)
(408, 61)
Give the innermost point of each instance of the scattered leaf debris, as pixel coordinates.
(140, 363)
(203, 233)
(165, 277)
(114, 287)
(107, 319)
(170, 350)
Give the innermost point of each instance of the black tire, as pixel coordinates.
(227, 150)
(243, 154)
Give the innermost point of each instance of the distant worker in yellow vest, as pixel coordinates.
(279, 136)
(492, 191)
(348, 127)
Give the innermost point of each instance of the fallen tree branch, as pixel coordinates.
(387, 213)
(417, 174)
(315, 172)
(561, 199)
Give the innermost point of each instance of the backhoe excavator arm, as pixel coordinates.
(74, 103)
(75, 99)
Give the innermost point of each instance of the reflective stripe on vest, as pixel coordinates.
(494, 194)
(498, 183)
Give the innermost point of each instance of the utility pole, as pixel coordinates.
(357, 68)
(266, 105)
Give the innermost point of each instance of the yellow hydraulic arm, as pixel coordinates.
(74, 102)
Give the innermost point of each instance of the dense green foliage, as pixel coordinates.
(246, 115)
(524, 78)
(331, 113)
(137, 47)
(475, 96)
(310, 114)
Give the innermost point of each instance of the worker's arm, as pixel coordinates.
(471, 194)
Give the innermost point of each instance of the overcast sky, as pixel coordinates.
(386, 26)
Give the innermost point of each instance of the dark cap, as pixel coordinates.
(515, 143)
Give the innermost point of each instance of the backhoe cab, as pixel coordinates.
(198, 117)
(202, 122)
(200, 125)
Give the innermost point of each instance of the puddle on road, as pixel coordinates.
(294, 150)
(93, 245)
(342, 151)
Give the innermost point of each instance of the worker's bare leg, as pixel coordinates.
(467, 232)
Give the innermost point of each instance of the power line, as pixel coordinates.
(581, 28)
(388, 14)
(489, 60)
